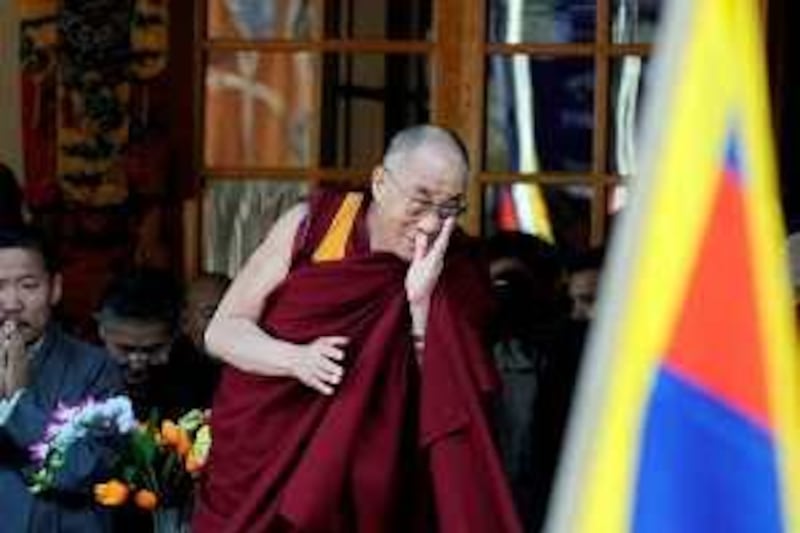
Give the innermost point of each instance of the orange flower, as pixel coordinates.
(146, 499)
(111, 494)
(176, 436)
(184, 443)
(170, 432)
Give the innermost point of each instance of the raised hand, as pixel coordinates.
(319, 364)
(425, 268)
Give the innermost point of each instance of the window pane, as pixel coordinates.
(258, 109)
(560, 214)
(238, 214)
(539, 114)
(378, 19)
(634, 21)
(541, 21)
(261, 19)
(627, 77)
(366, 98)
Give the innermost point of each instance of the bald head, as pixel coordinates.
(428, 138)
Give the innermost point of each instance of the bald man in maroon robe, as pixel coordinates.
(354, 396)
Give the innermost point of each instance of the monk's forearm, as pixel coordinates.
(241, 343)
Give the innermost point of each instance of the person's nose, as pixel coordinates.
(430, 223)
(137, 360)
(10, 301)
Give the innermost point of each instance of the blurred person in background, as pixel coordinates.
(583, 280)
(138, 322)
(203, 295)
(529, 332)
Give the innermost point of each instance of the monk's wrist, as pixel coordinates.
(419, 317)
(291, 361)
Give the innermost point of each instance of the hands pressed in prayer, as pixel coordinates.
(319, 364)
(423, 274)
(13, 359)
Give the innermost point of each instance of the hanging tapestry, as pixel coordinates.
(38, 62)
(87, 71)
(94, 94)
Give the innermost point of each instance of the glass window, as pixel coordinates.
(560, 214)
(541, 21)
(634, 21)
(366, 98)
(237, 216)
(259, 109)
(539, 114)
(378, 19)
(261, 19)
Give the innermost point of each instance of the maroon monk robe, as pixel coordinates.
(397, 447)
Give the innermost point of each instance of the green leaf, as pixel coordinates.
(130, 475)
(191, 420)
(143, 447)
(202, 443)
(169, 465)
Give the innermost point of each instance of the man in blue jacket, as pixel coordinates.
(40, 367)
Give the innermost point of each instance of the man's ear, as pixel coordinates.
(56, 284)
(377, 182)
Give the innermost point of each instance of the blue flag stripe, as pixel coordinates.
(703, 468)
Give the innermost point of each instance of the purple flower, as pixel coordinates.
(64, 414)
(69, 424)
(39, 451)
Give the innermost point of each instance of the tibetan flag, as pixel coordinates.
(686, 418)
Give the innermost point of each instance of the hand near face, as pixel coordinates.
(425, 268)
(13, 359)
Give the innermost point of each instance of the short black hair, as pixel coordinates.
(144, 294)
(30, 238)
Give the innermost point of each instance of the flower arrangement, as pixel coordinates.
(157, 470)
(157, 464)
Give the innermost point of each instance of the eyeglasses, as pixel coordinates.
(418, 207)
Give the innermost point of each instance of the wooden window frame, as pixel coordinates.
(457, 53)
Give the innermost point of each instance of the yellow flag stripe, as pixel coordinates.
(770, 264)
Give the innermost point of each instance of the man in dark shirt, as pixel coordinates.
(40, 368)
